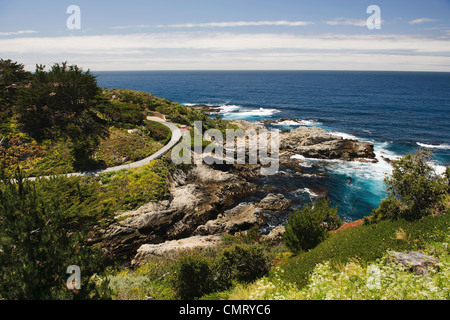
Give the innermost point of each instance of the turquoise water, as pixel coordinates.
(397, 111)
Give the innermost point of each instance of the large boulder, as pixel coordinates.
(239, 218)
(275, 236)
(147, 251)
(274, 202)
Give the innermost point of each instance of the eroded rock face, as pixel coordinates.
(197, 196)
(238, 219)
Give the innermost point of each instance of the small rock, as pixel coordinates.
(275, 236)
(416, 261)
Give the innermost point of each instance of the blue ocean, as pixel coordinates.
(397, 111)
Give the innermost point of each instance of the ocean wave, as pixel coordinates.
(229, 112)
(433, 146)
(229, 108)
(363, 170)
(308, 191)
(189, 104)
(300, 122)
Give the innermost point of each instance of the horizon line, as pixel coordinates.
(267, 70)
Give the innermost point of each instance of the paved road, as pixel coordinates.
(176, 136)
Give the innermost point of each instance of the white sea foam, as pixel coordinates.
(343, 135)
(311, 193)
(229, 108)
(440, 169)
(298, 157)
(433, 146)
(229, 112)
(365, 170)
(297, 123)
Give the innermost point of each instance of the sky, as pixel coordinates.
(414, 35)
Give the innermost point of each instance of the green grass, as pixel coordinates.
(338, 268)
(129, 189)
(366, 243)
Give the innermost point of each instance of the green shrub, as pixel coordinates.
(310, 226)
(368, 242)
(243, 263)
(122, 114)
(414, 189)
(192, 276)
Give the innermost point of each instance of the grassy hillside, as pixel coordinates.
(60, 121)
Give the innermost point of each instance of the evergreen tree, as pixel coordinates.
(41, 235)
(61, 104)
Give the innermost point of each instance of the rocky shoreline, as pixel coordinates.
(205, 201)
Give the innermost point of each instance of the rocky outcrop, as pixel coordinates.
(162, 249)
(241, 217)
(314, 142)
(207, 108)
(203, 199)
(245, 216)
(238, 219)
(197, 196)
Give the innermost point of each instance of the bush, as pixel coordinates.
(122, 114)
(243, 263)
(200, 273)
(309, 226)
(192, 276)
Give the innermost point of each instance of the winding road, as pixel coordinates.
(176, 136)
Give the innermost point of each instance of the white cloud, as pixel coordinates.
(227, 50)
(224, 41)
(421, 20)
(346, 22)
(240, 24)
(15, 33)
(229, 24)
